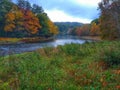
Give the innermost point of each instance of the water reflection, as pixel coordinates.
(19, 48)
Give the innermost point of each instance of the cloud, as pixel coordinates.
(77, 9)
(92, 3)
(60, 16)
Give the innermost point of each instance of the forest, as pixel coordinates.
(21, 19)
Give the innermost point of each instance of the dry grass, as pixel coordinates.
(96, 38)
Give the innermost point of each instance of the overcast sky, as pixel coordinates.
(70, 10)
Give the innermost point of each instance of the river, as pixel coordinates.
(27, 47)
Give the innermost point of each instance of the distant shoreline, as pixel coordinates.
(8, 41)
(94, 38)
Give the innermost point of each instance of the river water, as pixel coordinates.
(27, 47)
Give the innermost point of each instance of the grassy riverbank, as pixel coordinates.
(9, 40)
(90, 66)
(24, 40)
(94, 38)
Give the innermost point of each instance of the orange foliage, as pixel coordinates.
(10, 17)
(117, 72)
(9, 27)
(79, 31)
(118, 87)
(83, 30)
(18, 19)
(31, 22)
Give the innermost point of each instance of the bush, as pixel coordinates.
(110, 55)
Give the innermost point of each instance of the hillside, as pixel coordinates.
(65, 26)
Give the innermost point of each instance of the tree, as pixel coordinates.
(52, 28)
(95, 21)
(24, 4)
(36, 9)
(10, 17)
(5, 6)
(94, 29)
(48, 27)
(110, 19)
(25, 20)
(31, 22)
(43, 19)
(14, 20)
(83, 30)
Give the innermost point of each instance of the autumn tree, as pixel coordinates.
(79, 31)
(110, 19)
(83, 30)
(52, 28)
(31, 22)
(25, 20)
(94, 30)
(22, 19)
(9, 22)
(14, 20)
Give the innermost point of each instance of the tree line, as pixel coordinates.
(107, 26)
(65, 27)
(22, 19)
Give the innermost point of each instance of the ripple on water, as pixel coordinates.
(19, 48)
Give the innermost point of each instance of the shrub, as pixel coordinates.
(110, 55)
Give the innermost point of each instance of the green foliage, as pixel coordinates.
(5, 6)
(73, 50)
(24, 4)
(69, 67)
(37, 9)
(48, 28)
(110, 55)
(95, 21)
(43, 19)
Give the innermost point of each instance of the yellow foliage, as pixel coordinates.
(95, 29)
(53, 29)
(18, 15)
(14, 18)
(10, 17)
(9, 27)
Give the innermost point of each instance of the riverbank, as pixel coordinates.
(8, 41)
(68, 67)
(4, 40)
(93, 38)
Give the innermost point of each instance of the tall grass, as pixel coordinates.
(69, 67)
